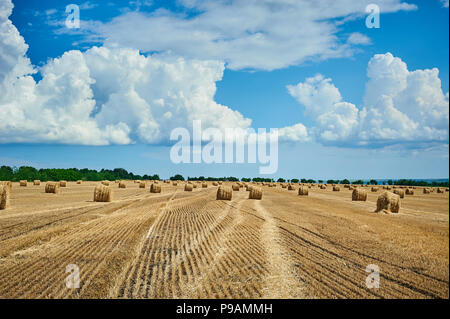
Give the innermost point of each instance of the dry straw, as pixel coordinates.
(106, 183)
(224, 193)
(155, 188)
(122, 185)
(63, 183)
(399, 192)
(359, 194)
(374, 189)
(7, 184)
(23, 183)
(388, 202)
(4, 196)
(409, 191)
(36, 182)
(204, 185)
(141, 184)
(52, 188)
(103, 193)
(303, 191)
(426, 191)
(336, 189)
(291, 187)
(174, 183)
(188, 188)
(255, 193)
(235, 187)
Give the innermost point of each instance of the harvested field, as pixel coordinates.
(178, 244)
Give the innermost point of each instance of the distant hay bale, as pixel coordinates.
(188, 188)
(409, 191)
(388, 202)
(283, 186)
(374, 189)
(142, 185)
(204, 185)
(399, 192)
(291, 187)
(248, 188)
(174, 183)
(122, 185)
(4, 196)
(426, 191)
(79, 182)
(303, 191)
(52, 188)
(156, 182)
(215, 184)
(323, 186)
(106, 183)
(255, 193)
(117, 181)
(336, 189)
(440, 191)
(346, 186)
(137, 181)
(235, 187)
(103, 193)
(224, 193)
(36, 182)
(23, 183)
(220, 183)
(155, 188)
(63, 184)
(194, 185)
(359, 194)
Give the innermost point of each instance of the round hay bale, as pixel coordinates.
(248, 188)
(426, 191)
(23, 183)
(188, 188)
(63, 184)
(204, 185)
(440, 191)
(7, 184)
(122, 185)
(220, 183)
(255, 193)
(374, 189)
(194, 185)
(291, 187)
(283, 186)
(79, 182)
(141, 184)
(359, 194)
(224, 193)
(388, 202)
(103, 193)
(303, 191)
(155, 188)
(4, 196)
(106, 183)
(409, 191)
(235, 187)
(52, 188)
(215, 184)
(399, 192)
(336, 189)
(174, 183)
(36, 182)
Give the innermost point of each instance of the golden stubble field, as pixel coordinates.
(179, 244)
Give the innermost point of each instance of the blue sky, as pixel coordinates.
(396, 139)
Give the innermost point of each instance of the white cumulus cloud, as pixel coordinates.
(400, 106)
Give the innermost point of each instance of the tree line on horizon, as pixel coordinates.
(29, 173)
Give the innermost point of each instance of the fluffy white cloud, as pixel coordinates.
(104, 96)
(400, 106)
(258, 34)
